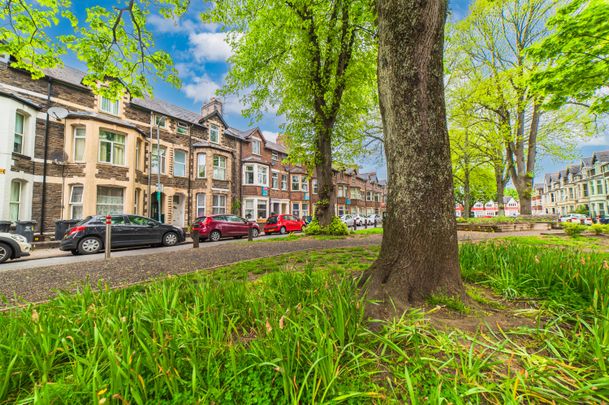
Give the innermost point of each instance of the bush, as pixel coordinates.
(336, 228)
(598, 229)
(572, 229)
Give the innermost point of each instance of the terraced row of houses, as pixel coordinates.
(585, 184)
(67, 153)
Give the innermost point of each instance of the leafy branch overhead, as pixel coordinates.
(114, 42)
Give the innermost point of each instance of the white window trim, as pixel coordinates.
(278, 180)
(257, 170)
(160, 118)
(182, 126)
(292, 182)
(74, 138)
(24, 119)
(113, 102)
(204, 166)
(219, 167)
(214, 127)
(259, 144)
(218, 206)
(71, 203)
(162, 158)
(180, 163)
(111, 162)
(198, 206)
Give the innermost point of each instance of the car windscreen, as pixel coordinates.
(272, 220)
(200, 219)
(84, 221)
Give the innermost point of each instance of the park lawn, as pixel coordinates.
(583, 242)
(291, 329)
(368, 231)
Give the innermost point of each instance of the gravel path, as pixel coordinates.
(40, 284)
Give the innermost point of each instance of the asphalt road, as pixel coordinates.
(60, 257)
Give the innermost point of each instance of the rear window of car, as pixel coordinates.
(200, 219)
(272, 220)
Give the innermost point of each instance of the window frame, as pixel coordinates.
(199, 206)
(75, 139)
(256, 146)
(274, 156)
(162, 157)
(113, 144)
(247, 172)
(214, 206)
(15, 203)
(297, 177)
(97, 203)
(112, 103)
(182, 128)
(219, 167)
(214, 129)
(74, 204)
(160, 119)
(199, 165)
(284, 181)
(274, 180)
(176, 162)
(21, 135)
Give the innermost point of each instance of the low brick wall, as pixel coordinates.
(514, 227)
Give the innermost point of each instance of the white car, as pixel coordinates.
(576, 219)
(374, 217)
(348, 220)
(13, 246)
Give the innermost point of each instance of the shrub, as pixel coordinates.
(572, 229)
(598, 229)
(336, 228)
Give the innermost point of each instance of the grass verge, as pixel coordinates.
(290, 329)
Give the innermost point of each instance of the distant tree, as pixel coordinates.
(316, 62)
(114, 42)
(495, 69)
(575, 56)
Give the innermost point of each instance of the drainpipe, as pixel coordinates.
(190, 173)
(149, 212)
(46, 154)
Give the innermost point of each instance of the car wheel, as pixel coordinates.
(255, 233)
(75, 252)
(170, 239)
(283, 231)
(89, 245)
(5, 252)
(214, 236)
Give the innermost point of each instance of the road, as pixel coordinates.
(42, 259)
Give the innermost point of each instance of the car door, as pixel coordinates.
(144, 231)
(223, 225)
(240, 225)
(120, 231)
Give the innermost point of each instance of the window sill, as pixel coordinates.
(112, 164)
(21, 155)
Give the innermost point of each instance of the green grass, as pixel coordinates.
(580, 242)
(449, 302)
(507, 220)
(369, 231)
(290, 329)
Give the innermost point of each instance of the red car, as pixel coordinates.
(215, 227)
(283, 224)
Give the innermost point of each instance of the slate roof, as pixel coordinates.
(165, 108)
(67, 75)
(550, 177)
(18, 97)
(587, 161)
(574, 169)
(104, 118)
(602, 156)
(276, 147)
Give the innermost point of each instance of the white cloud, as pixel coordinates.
(270, 135)
(184, 70)
(600, 140)
(201, 88)
(209, 46)
(174, 25)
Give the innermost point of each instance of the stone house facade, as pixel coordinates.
(91, 155)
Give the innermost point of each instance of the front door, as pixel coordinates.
(178, 210)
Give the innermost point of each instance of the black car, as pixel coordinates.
(604, 220)
(88, 236)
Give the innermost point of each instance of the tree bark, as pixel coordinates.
(500, 184)
(419, 252)
(324, 209)
(466, 193)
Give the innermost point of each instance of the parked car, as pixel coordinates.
(216, 227)
(282, 224)
(374, 217)
(576, 219)
(604, 220)
(348, 220)
(88, 236)
(13, 246)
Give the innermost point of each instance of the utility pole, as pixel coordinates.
(158, 160)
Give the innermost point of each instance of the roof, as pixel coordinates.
(602, 156)
(166, 108)
(574, 169)
(587, 161)
(67, 74)
(18, 97)
(104, 118)
(550, 177)
(214, 113)
(538, 186)
(254, 159)
(276, 147)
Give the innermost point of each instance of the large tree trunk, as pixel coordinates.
(419, 252)
(324, 210)
(500, 184)
(524, 187)
(467, 197)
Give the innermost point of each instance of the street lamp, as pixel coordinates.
(159, 186)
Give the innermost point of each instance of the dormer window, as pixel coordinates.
(256, 147)
(214, 134)
(274, 156)
(109, 106)
(182, 128)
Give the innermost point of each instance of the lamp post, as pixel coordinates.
(158, 164)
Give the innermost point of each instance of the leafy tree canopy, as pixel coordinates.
(575, 57)
(113, 41)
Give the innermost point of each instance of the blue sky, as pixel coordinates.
(199, 53)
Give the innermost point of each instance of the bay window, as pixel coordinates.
(295, 183)
(275, 180)
(248, 177)
(111, 148)
(263, 175)
(110, 200)
(219, 168)
(305, 184)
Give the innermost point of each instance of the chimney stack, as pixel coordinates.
(213, 105)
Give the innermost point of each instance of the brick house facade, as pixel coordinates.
(109, 156)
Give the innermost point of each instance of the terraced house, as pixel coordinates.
(67, 153)
(585, 184)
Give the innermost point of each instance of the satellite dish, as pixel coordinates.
(58, 112)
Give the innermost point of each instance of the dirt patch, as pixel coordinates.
(487, 312)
